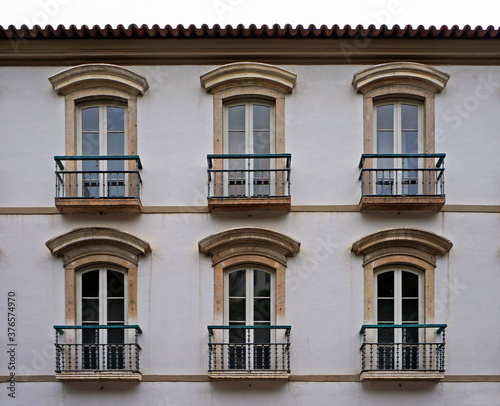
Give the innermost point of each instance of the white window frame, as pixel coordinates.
(103, 339)
(249, 305)
(249, 163)
(103, 132)
(398, 303)
(397, 138)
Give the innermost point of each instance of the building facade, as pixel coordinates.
(209, 216)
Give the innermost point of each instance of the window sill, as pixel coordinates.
(98, 206)
(401, 203)
(228, 204)
(99, 376)
(401, 376)
(245, 375)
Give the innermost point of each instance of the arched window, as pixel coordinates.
(249, 335)
(249, 298)
(399, 330)
(102, 301)
(101, 131)
(100, 337)
(249, 119)
(101, 121)
(398, 130)
(249, 129)
(399, 301)
(398, 114)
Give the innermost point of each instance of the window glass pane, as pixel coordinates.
(409, 283)
(115, 284)
(262, 284)
(237, 310)
(385, 117)
(237, 284)
(236, 145)
(261, 142)
(262, 335)
(116, 310)
(236, 118)
(237, 335)
(385, 142)
(410, 335)
(90, 284)
(409, 117)
(116, 335)
(261, 118)
(90, 145)
(410, 310)
(90, 119)
(116, 145)
(385, 310)
(90, 310)
(410, 142)
(116, 119)
(262, 310)
(386, 335)
(385, 284)
(90, 336)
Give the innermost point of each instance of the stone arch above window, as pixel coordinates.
(82, 244)
(411, 247)
(400, 74)
(249, 241)
(248, 74)
(90, 246)
(402, 241)
(99, 77)
(249, 246)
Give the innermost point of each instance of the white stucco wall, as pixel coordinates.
(323, 134)
(324, 283)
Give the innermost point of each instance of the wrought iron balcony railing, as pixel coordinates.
(402, 174)
(249, 175)
(95, 348)
(260, 348)
(403, 347)
(92, 177)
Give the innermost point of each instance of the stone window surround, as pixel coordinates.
(396, 81)
(99, 82)
(247, 80)
(88, 246)
(402, 247)
(249, 246)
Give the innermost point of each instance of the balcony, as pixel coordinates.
(249, 352)
(249, 182)
(403, 351)
(402, 182)
(94, 352)
(98, 184)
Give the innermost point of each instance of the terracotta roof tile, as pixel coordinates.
(252, 31)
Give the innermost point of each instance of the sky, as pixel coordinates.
(246, 12)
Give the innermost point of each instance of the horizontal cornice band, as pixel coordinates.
(292, 378)
(212, 51)
(339, 208)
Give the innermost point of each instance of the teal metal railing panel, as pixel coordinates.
(97, 348)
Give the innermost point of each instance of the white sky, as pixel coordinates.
(294, 12)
